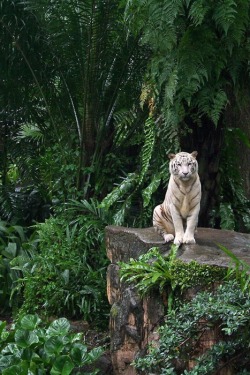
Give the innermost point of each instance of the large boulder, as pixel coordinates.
(133, 320)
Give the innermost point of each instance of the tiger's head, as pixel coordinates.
(183, 165)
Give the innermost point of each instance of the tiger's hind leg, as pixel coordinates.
(162, 224)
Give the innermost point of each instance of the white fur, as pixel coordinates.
(177, 217)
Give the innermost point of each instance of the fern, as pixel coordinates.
(211, 103)
(198, 11)
(200, 49)
(147, 148)
(123, 122)
(151, 270)
(170, 10)
(237, 29)
(119, 216)
(171, 86)
(219, 103)
(224, 14)
(120, 191)
(227, 216)
(127, 188)
(150, 189)
(234, 209)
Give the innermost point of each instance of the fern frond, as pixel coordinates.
(170, 10)
(120, 191)
(148, 93)
(211, 103)
(224, 14)
(227, 216)
(219, 102)
(123, 122)
(171, 86)
(119, 216)
(150, 189)
(236, 33)
(198, 11)
(148, 146)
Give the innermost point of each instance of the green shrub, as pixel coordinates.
(29, 347)
(154, 270)
(12, 244)
(67, 276)
(228, 311)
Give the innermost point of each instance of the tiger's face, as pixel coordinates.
(183, 165)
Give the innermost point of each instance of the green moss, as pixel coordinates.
(188, 275)
(114, 311)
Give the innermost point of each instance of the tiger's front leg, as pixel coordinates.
(192, 221)
(178, 225)
(162, 224)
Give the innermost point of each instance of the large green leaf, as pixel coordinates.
(25, 339)
(54, 345)
(10, 251)
(22, 368)
(11, 349)
(2, 326)
(30, 322)
(63, 366)
(78, 353)
(8, 360)
(59, 327)
(14, 370)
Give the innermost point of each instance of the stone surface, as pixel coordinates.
(133, 321)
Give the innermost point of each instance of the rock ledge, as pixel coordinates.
(133, 321)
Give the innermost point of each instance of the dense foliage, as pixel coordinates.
(66, 276)
(203, 335)
(197, 75)
(30, 347)
(201, 52)
(225, 311)
(94, 94)
(13, 243)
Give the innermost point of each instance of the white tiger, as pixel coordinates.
(177, 217)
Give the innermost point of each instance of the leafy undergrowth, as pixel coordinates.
(30, 346)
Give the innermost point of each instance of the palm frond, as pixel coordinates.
(30, 131)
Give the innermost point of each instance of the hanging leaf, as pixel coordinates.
(150, 189)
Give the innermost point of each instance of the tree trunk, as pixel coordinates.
(238, 116)
(207, 140)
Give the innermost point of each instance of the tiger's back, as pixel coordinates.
(176, 218)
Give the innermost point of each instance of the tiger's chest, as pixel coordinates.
(184, 207)
(181, 197)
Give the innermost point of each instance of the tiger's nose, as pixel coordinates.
(185, 173)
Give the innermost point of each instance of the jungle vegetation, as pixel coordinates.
(93, 96)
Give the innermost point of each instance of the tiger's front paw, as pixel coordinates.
(178, 240)
(168, 237)
(188, 238)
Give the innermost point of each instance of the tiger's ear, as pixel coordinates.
(171, 156)
(194, 154)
